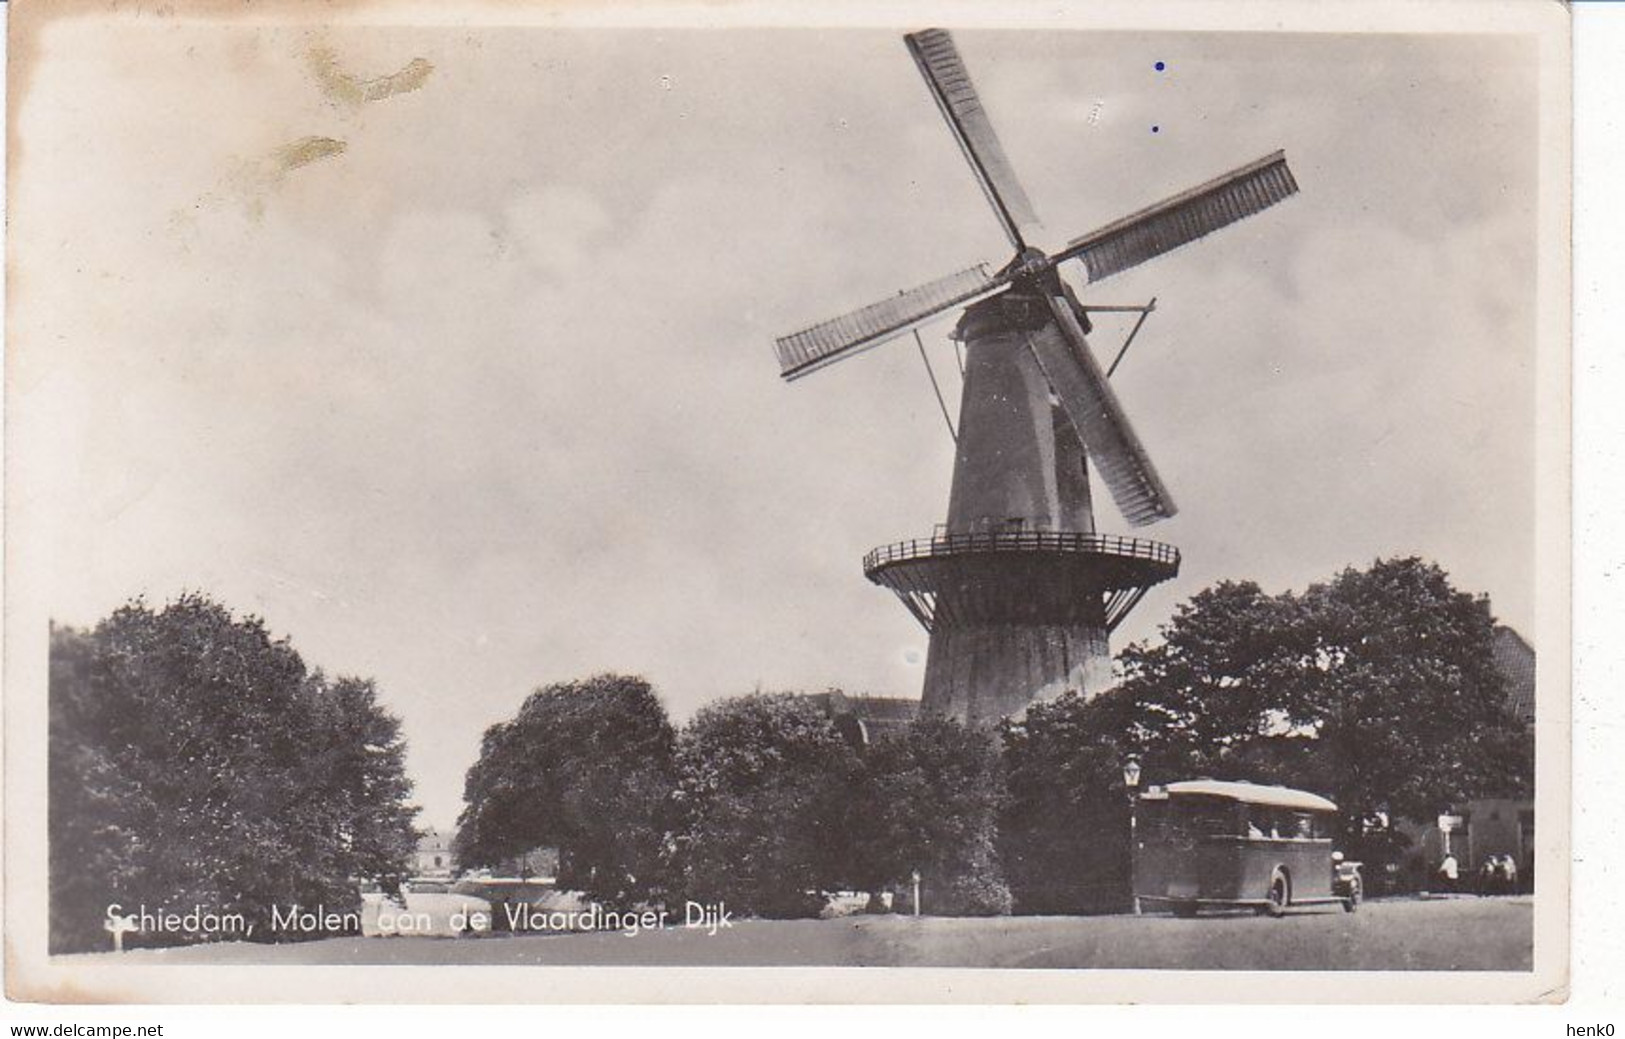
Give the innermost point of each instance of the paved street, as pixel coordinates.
(1410, 934)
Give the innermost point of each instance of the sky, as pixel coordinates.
(463, 379)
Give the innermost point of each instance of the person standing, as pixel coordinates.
(1449, 873)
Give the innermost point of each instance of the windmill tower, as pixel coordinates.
(1018, 590)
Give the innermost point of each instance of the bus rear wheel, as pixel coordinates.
(1280, 894)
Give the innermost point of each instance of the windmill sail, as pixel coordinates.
(1092, 407)
(951, 87)
(828, 341)
(1183, 218)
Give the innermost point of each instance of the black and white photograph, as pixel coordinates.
(1076, 500)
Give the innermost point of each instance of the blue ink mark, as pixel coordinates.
(1160, 66)
(1156, 129)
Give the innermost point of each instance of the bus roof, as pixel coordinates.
(1253, 793)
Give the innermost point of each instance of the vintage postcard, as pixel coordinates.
(981, 503)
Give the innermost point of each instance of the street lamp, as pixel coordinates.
(1131, 781)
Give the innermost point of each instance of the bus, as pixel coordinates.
(1206, 843)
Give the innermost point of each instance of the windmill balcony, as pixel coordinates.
(943, 545)
(1021, 576)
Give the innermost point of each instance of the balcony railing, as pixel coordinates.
(1021, 541)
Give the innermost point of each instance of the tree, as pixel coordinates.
(587, 767)
(765, 792)
(92, 812)
(1404, 692)
(928, 799)
(1063, 834)
(354, 800)
(1218, 678)
(193, 761)
(1377, 688)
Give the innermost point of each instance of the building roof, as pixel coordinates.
(885, 708)
(1515, 659)
(1253, 793)
(896, 709)
(861, 718)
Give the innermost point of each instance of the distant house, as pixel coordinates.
(432, 858)
(863, 719)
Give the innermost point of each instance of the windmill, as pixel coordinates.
(1018, 590)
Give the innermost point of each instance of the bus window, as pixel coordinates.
(1303, 825)
(1207, 818)
(1263, 822)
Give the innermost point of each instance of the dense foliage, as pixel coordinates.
(195, 761)
(766, 804)
(587, 768)
(763, 802)
(1378, 688)
(1063, 834)
(929, 801)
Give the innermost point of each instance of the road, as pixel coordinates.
(1400, 934)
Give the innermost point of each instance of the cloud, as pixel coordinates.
(555, 225)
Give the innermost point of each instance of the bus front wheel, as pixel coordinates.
(1280, 894)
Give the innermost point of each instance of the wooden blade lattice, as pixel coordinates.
(1093, 409)
(828, 341)
(956, 96)
(1183, 218)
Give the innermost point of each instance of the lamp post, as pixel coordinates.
(1131, 782)
(915, 877)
